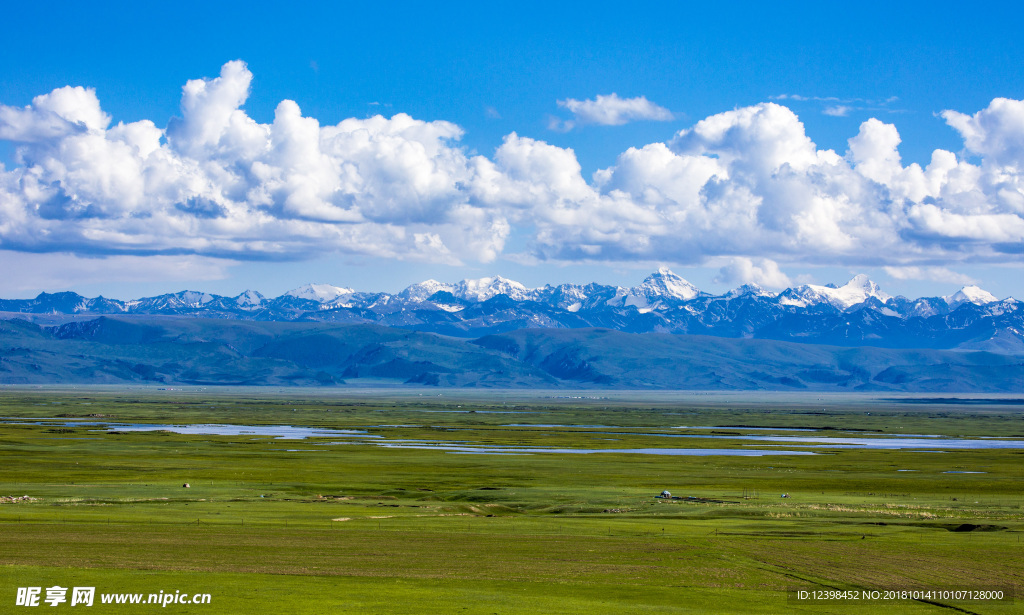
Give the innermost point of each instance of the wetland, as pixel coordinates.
(415, 502)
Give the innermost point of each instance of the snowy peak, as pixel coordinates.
(569, 297)
(748, 289)
(485, 288)
(192, 298)
(664, 283)
(321, 293)
(856, 291)
(249, 299)
(480, 289)
(651, 293)
(859, 289)
(970, 294)
(417, 293)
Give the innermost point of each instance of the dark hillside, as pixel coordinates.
(155, 350)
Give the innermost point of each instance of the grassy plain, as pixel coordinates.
(302, 526)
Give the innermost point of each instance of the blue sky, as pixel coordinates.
(746, 193)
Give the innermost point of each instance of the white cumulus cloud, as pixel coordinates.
(215, 182)
(751, 183)
(996, 132)
(747, 186)
(609, 110)
(762, 271)
(62, 112)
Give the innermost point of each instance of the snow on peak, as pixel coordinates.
(321, 293)
(860, 287)
(422, 291)
(480, 289)
(970, 294)
(856, 291)
(249, 298)
(483, 289)
(194, 298)
(664, 283)
(749, 289)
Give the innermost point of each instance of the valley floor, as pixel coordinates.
(462, 504)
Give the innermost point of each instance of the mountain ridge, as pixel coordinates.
(857, 313)
(155, 350)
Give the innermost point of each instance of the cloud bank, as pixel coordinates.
(217, 183)
(747, 184)
(24, 271)
(935, 274)
(762, 272)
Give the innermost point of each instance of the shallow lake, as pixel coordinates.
(878, 442)
(496, 450)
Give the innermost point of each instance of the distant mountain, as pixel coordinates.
(164, 351)
(662, 286)
(855, 292)
(970, 294)
(249, 300)
(321, 293)
(857, 313)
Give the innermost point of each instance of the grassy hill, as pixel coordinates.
(157, 350)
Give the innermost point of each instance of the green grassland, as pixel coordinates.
(302, 526)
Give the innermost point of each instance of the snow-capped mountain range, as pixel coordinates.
(857, 313)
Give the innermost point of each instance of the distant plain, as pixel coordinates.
(343, 523)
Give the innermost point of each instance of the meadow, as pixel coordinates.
(443, 502)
